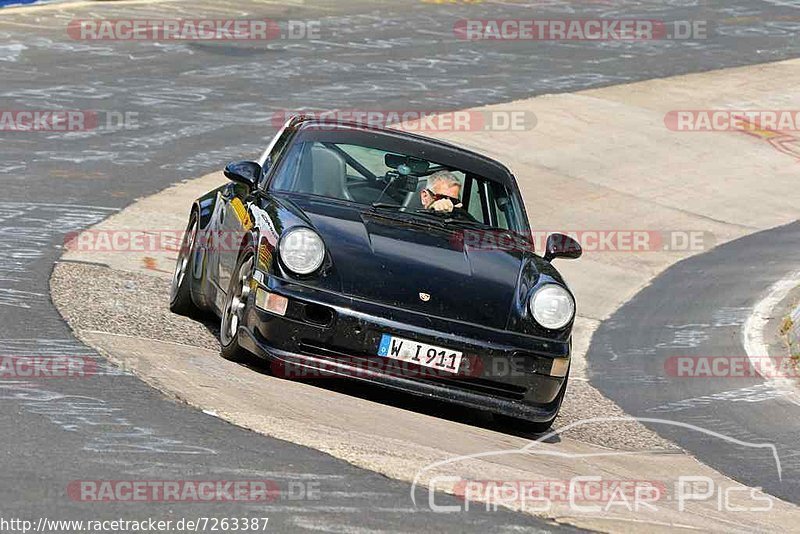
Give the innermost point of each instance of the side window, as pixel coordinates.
(278, 146)
(286, 176)
(371, 159)
(501, 206)
(490, 204)
(475, 204)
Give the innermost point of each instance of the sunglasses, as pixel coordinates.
(437, 196)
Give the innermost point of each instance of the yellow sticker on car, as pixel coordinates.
(264, 257)
(241, 213)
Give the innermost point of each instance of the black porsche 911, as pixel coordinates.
(343, 251)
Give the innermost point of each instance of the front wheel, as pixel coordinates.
(180, 301)
(233, 311)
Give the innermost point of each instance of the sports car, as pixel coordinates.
(383, 256)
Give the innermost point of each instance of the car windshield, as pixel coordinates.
(394, 181)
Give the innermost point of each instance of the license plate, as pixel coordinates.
(420, 353)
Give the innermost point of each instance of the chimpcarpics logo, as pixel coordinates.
(595, 492)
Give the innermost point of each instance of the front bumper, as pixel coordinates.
(326, 334)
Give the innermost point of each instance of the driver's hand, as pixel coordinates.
(443, 205)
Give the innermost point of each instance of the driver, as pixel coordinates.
(442, 193)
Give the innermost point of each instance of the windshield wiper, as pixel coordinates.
(378, 205)
(406, 217)
(446, 218)
(467, 222)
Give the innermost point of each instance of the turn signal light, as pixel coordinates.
(271, 302)
(560, 367)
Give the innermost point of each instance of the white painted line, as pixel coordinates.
(784, 3)
(104, 333)
(23, 8)
(753, 334)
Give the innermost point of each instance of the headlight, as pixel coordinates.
(552, 306)
(302, 250)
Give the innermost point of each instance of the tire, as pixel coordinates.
(232, 312)
(181, 291)
(530, 427)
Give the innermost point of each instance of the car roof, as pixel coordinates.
(435, 150)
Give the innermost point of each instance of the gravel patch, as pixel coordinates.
(582, 402)
(93, 297)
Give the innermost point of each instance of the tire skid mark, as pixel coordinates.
(27, 236)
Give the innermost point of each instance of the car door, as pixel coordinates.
(234, 222)
(235, 217)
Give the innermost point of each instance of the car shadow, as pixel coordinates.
(390, 397)
(407, 401)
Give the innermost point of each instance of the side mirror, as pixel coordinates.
(562, 246)
(243, 172)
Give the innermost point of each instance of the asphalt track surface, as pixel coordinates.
(698, 307)
(199, 105)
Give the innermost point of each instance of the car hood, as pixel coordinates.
(404, 262)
